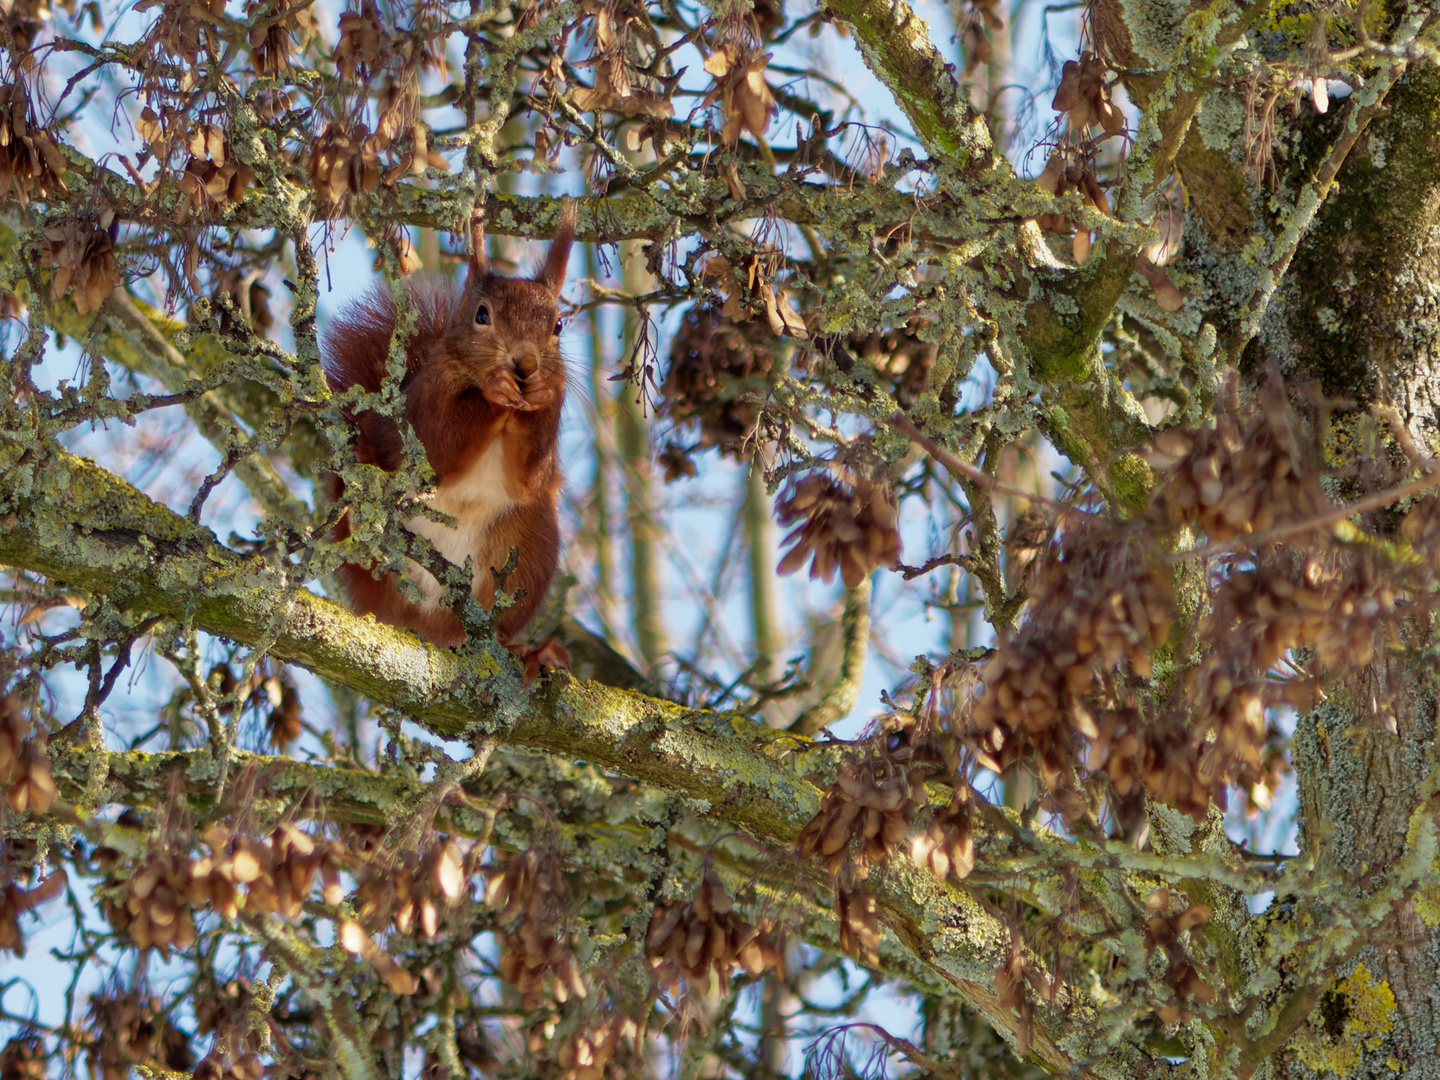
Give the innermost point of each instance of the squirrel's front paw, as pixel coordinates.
(501, 388)
(538, 393)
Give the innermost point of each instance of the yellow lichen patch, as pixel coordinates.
(1427, 906)
(1354, 1013)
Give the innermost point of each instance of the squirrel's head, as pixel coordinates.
(511, 322)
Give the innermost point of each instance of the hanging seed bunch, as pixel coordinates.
(278, 873)
(531, 894)
(344, 161)
(213, 179)
(411, 890)
(979, 21)
(1241, 476)
(860, 805)
(621, 84)
(713, 364)
(362, 35)
(1062, 175)
(156, 910)
(1162, 932)
(24, 21)
(83, 254)
(589, 1051)
(126, 1030)
(271, 38)
(752, 287)
(738, 68)
(1099, 610)
(224, 1013)
(847, 524)
(31, 163)
(24, 769)
(705, 937)
(1085, 99)
(1012, 979)
(858, 914)
(15, 901)
(901, 355)
(184, 30)
(947, 845)
(23, 1058)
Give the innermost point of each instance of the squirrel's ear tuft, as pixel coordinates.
(479, 260)
(558, 257)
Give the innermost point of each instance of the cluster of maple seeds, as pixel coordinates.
(619, 86)
(1162, 932)
(1061, 176)
(532, 893)
(23, 1058)
(30, 160)
(712, 361)
(740, 86)
(184, 29)
(411, 890)
(947, 844)
(589, 1051)
(358, 50)
(126, 1030)
(82, 254)
(1014, 977)
(274, 25)
(848, 525)
(858, 913)
(1105, 609)
(24, 769)
(1085, 99)
(902, 355)
(859, 806)
(277, 875)
(707, 936)
(1228, 480)
(212, 177)
(750, 286)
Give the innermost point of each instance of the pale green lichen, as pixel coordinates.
(1220, 120)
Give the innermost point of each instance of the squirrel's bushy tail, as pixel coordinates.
(356, 348)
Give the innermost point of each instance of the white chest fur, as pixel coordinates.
(474, 498)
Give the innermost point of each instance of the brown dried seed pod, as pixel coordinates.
(83, 254)
(23, 1058)
(361, 37)
(947, 846)
(902, 355)
(851, 527)
(858, 913)
(713, 364)
(707, 937)
(31, 163)
(126, 1030)
(532, 895)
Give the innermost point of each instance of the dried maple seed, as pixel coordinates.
(850, 526)
(714, 364)
(707, 937)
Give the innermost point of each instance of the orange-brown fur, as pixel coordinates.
(484, 401)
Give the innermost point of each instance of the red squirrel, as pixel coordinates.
(483, 386)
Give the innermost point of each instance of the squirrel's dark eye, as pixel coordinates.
(482, 315)
(559, 326)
